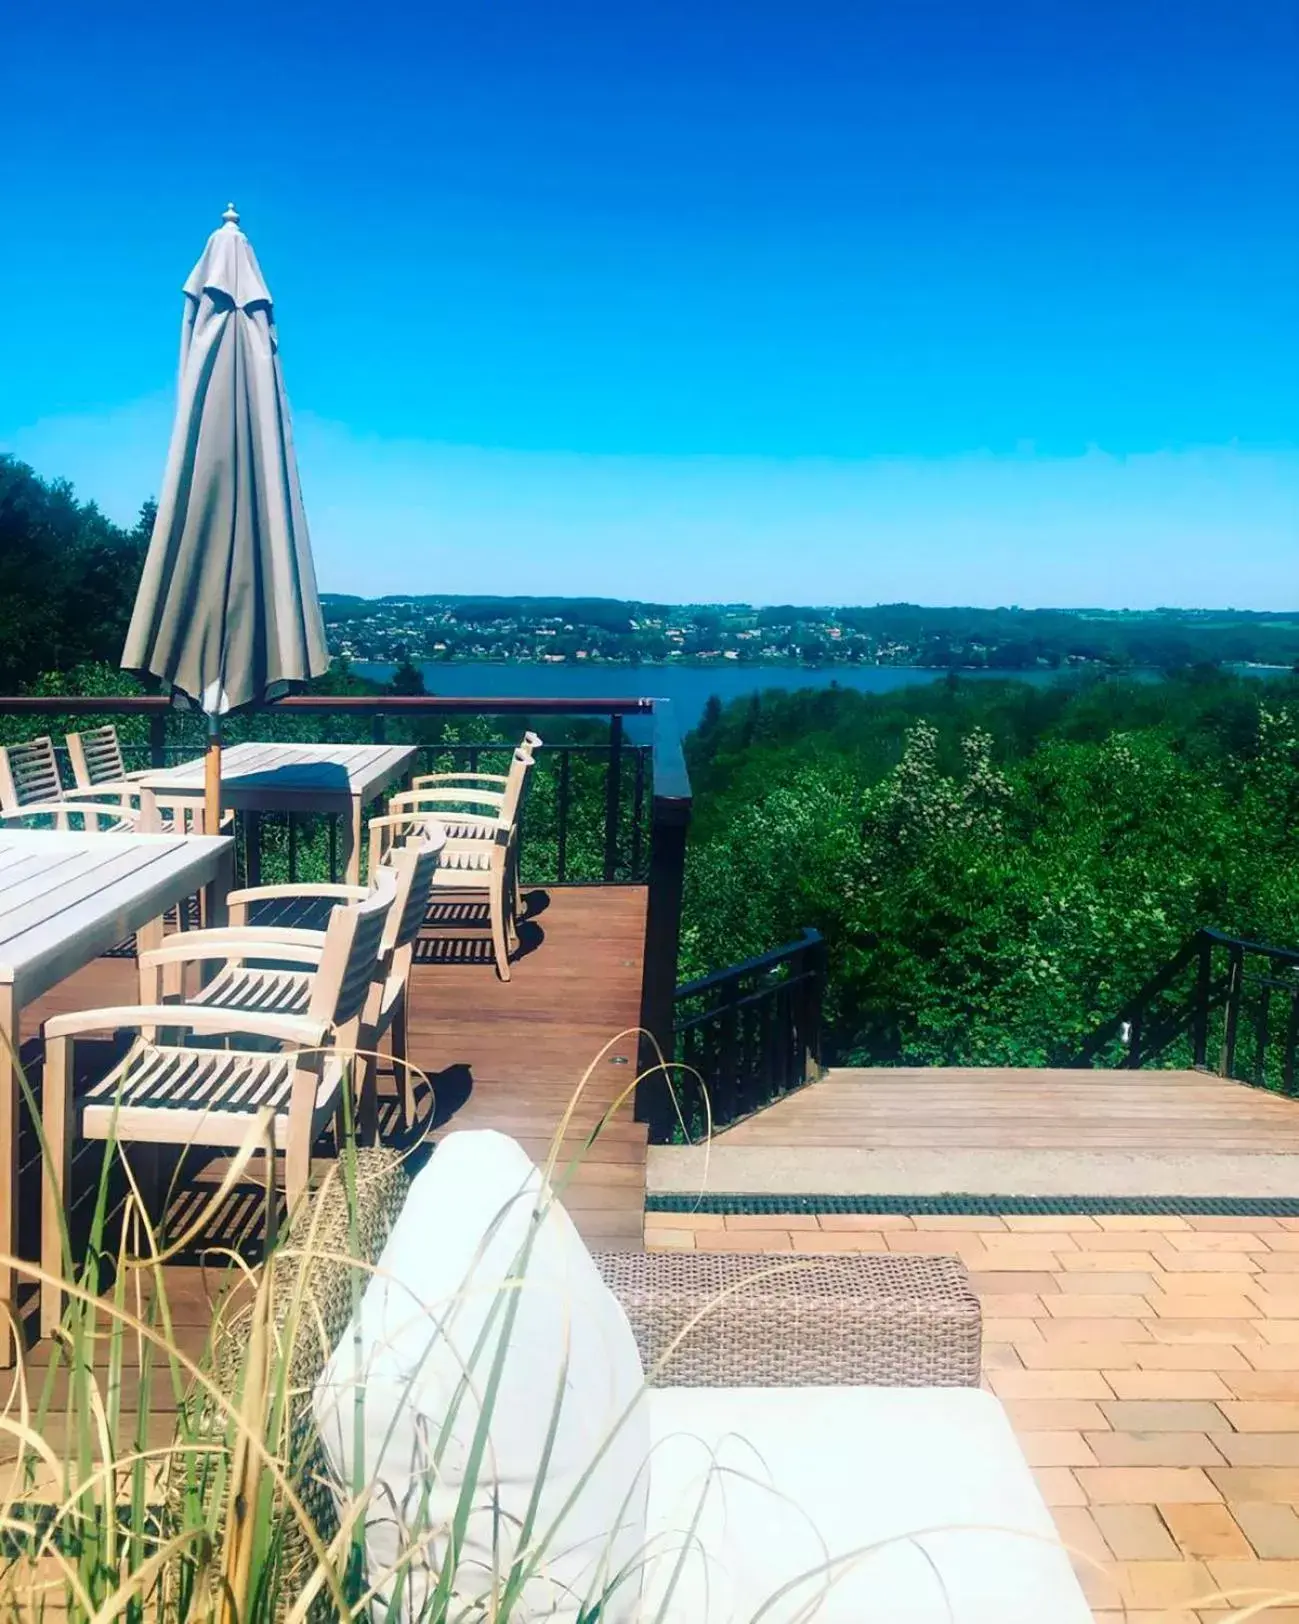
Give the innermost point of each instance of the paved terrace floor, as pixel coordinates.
(1150, 1367)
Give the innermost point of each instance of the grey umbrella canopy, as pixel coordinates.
(227, 612)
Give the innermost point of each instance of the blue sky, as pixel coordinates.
(981, 302)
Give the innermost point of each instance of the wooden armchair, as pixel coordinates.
(481, 850)
(166, 1093)
(258, 975)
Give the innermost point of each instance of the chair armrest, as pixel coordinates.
(414, 800)
(238, 942)
(41, 809)
(118, 792)
(60, 810)
(210, 1020)
(273, 893)
(780, 1320)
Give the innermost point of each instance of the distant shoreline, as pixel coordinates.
(775, 665)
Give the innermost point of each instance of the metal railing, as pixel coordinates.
(743, 1037)
(608, 811)
(1221, 1004)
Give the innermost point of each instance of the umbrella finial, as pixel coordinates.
(230, 217)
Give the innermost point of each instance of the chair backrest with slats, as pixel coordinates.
(520, 768)
(28, 772)
(415, 865)
(96, 757)
(353, 945)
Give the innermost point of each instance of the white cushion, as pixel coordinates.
(439, 1288)
(928, 1484)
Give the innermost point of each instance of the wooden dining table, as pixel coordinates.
(65, 898)
(324, 778)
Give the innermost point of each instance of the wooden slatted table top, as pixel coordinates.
(66, 897)
(271, 777)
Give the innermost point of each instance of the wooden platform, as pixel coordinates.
(997, 1108)
(510, 1055)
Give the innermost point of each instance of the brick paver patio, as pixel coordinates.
(1151, 1369)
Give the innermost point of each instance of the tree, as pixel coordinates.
(407, 679)
(67, 577)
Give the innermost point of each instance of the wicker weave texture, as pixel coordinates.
(772, 1321)
(311, 1278)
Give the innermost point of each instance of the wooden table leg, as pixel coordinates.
(253, 848)
(8, 1162)
(352, 847)
(219, 888)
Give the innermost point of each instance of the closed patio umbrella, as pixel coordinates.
(227, 613)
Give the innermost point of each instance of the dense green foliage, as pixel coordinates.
(67, 577)
(997, 868)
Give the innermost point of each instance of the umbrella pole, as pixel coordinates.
(212, 778)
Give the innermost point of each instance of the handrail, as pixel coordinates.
(1287, 955)
(746, 967)
(1217, 994)
(350, 704)
(756, 1036)
(1135, 1006)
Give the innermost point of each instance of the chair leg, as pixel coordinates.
(56, 1116)
(500, 948)
(399, 1039)
(511, 919)
(297, 1169)
(367, 1100)
(146, 1163)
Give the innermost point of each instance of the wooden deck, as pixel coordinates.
(499, 1055)
(1002, 1109)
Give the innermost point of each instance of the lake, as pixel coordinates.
(687, 686)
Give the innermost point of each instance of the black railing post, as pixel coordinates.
(158, 739)
(613, 800)
(1235, 975)
(1203, 992)
(670, 823)
(1261, 1024)
(561, 817)
(379, 728)
(815, 960)
(1291, 1045)
(637, 815)
(729, 1079)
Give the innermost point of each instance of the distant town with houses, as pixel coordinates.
(624, 632)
